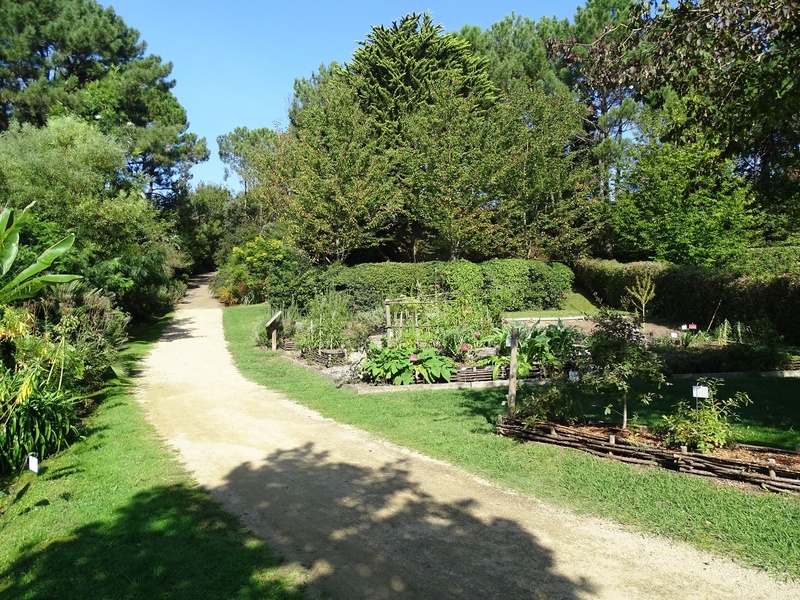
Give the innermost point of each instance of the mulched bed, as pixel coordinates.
(768, 468)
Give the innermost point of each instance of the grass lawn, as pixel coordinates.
(575, 305)
(115, 516)
(759, 529)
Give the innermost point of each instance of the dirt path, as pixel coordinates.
(372, 520)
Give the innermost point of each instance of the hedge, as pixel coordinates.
(502, 284)
(697, 294)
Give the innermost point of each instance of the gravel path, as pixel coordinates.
(368, 519)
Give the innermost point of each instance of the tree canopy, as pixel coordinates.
(77, 57)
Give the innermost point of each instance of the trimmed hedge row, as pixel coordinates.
(698, 294)
(502, 284)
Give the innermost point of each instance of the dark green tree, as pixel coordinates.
(74, 56)
(395, 69)
(734, 66)
(682, 203)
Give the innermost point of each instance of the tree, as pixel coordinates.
(237, 151)
(331, 173)
(452, 154)
(515, 52)
(734, 65)
(72, 170)
(590, 62)
(394, 70)
(683, 204)
(545, 210)
(618, 357)
(74, 56)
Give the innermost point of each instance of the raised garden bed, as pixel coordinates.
(769, 468)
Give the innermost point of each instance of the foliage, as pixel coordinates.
(500, 284)
(395, 70)
(733, 63)
(72, 170)
(78, 57)
(618, 355)
(641, 293)
(560, 401)
(682, 204)
(27, 282)
(706, 425)
(204, 219)
(332, 171)
(42, 424)
(89, 324)
(551, 348)
(765, 262)
(401, 366)
(703, 295)
(326, 321)
(265, 269)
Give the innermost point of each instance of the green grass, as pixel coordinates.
(575, 305)
(115, 516)
(759, 529)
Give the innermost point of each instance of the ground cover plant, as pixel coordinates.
(118, 505)
(458, 426)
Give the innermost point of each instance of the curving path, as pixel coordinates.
(367, 519)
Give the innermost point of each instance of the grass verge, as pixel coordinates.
(758, 529)
(575, 305)
(115, 516)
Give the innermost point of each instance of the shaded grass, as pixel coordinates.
(773, 418)
(116, 517)
(575, 305)
(758, 529)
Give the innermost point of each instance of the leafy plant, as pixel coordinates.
(706, 425)
(641, 293)
(400, 366)
(559, 401)
(618, 355)
(26, 284)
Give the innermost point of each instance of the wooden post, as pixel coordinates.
(512, 372)
(272, 329)
(388, 320)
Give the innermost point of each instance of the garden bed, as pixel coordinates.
(769, 468)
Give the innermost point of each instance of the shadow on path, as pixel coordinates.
(374, 533)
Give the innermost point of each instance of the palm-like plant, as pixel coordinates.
(27, 282)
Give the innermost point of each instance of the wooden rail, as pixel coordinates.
(767, 474)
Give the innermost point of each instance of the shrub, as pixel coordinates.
(699, 294)
(369, 284)
(42, 423)
(400, 366)
(266, 269)
(706, 425)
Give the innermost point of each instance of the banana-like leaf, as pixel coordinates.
(45, 259)
(32, 287)
(25, 285)
(8, 251)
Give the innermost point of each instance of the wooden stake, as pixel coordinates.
(512, 373)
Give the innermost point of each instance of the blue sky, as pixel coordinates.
(235, 61)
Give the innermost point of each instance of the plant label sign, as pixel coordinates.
(699, 391)
(33, 463)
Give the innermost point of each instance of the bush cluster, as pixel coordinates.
(699, 294)
(501, 284)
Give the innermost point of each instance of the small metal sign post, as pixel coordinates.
(272, 330)
(699, 391)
